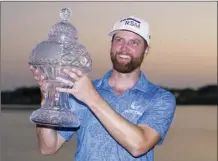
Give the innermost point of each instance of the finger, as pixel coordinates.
(31, 68)
(37, 71)
(66, 82)
(36, 78)
(71, 74)
(39, 77)
(64, 90)
(44, 86)
(77, 71)
(36, 74)
(42, 78)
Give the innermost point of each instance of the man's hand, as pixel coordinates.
(41, 80)
(81, 88)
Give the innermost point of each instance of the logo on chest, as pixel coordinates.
(134, 108)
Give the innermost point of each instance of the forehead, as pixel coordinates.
(128, 35)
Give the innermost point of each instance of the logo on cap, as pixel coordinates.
(131, 22)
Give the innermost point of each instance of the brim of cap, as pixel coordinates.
(112, 32)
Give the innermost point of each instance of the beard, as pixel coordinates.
(126, 67)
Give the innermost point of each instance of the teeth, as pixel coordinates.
(124, 56)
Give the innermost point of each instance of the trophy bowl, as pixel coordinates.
(61, 50)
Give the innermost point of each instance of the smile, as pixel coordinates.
(124, 56)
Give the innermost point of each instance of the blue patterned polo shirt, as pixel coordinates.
(144, 103)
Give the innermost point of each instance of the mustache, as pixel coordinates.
(121, 53)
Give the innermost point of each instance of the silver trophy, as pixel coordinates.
(61, 50)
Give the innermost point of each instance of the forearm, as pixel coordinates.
(130, 136)
(47, 140)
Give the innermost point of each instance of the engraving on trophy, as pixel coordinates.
(61, 50)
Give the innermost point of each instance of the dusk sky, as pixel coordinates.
(183, 38)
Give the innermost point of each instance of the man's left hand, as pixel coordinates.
(81, 88)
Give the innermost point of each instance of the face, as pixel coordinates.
(127, 51)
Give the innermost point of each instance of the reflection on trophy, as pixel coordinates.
(61, 50)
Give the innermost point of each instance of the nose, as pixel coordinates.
(125, 47)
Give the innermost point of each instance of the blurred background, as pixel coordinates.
(182, 59)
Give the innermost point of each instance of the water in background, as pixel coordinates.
(192, 137)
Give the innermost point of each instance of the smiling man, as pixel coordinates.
(123, 115)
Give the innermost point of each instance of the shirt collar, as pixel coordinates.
(141, 84)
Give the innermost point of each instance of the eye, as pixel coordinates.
(134, 42)
(118, 40)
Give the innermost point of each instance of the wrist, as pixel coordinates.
(42, 101)
(42, 97)
(94, 100)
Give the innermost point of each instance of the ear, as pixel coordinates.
(147, 50)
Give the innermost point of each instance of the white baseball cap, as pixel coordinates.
(134, 24)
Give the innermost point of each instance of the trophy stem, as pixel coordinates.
(53, 97)
(55, 111)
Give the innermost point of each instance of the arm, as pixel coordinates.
(137, 139)
(49, 141)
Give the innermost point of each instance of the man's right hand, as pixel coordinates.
(41, 80)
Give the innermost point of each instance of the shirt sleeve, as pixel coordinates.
(79, 109)
(160, 114)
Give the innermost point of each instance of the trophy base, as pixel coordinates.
(54, 117)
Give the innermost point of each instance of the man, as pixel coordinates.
(123, 115)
